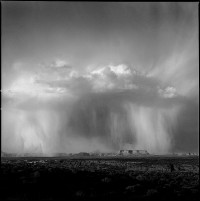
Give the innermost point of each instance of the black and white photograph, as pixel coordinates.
(99, 101)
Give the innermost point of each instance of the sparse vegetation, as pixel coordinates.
(100, 179)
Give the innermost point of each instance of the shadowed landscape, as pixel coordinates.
(108, 178)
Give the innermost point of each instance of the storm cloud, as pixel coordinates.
(99, 76)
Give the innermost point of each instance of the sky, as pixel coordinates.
(84, 77)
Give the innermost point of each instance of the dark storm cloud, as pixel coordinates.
(128, 31)
(103, 104)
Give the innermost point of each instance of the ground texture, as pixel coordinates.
(146, 178)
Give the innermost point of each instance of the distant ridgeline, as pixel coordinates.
(4, 154)
(133, 152)
(127, 152)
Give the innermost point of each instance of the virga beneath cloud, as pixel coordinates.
(111, 106)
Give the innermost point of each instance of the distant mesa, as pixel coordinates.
(82, 154)
(133, 152)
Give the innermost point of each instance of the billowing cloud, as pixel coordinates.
(168, 92)
(112, 105)
(58, 63)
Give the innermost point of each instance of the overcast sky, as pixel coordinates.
(99, 76)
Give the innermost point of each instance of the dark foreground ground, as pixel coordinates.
(149, 178)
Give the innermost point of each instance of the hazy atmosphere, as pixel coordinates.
(84, 77)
